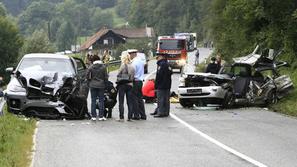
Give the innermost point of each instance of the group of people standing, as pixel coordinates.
(105, 58)
(129, 83)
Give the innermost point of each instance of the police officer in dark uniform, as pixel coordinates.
(162, 86)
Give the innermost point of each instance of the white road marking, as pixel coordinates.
(216, 142)
(34, 145)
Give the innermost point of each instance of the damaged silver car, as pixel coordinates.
(256, 79)
(203, 89)
(48, 86)
(251, 80)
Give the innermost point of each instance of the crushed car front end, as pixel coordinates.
(202, 89)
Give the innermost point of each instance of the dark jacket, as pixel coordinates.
(163, 77)
(97, 75)
(213, 68)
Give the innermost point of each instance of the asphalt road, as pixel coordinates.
(189, 138)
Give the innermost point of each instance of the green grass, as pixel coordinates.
(288, 105)
(15, 140)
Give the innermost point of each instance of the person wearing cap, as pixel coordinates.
(213, 67)
(138, 106)
(163, 86)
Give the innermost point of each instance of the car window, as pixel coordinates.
(240, 70)
(46, 64)
(80, 65)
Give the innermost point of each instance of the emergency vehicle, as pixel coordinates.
(175, 49)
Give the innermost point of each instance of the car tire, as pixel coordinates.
(185, 103)
(272, 98)
(228, 101)
(200, 103)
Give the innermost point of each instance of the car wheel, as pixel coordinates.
(228, 101)
(185, 103)
(272, 97)
(200, 103)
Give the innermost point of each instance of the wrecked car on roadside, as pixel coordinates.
(251, 80)
(48, 86)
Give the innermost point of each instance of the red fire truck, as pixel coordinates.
(176, 50)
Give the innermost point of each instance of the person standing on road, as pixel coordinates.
(138, 106)
(97, 77)
(125, 86)
(197, 57)
(163, 86)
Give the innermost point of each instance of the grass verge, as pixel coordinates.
(15, 140)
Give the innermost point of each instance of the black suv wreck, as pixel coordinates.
(48, 86)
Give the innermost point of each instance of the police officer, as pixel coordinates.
(162, 86)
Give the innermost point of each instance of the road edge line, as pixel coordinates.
(216, 142)
(34, 145)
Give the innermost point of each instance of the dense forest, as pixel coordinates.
(235, 26)
(63, 22)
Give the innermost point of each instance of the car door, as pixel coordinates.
(81, 75)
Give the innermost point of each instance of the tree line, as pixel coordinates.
(235, 26)
(63, 22)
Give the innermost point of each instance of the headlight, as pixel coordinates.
(182, 82)
(182, 62)
(15, 86)
(225, 85)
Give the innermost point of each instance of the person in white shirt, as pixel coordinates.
(138, 107)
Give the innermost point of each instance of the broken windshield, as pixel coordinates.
(46, 64)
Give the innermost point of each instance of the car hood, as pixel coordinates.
(210, 75)
(47, 77)
(250, 59)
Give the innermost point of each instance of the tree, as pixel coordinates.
(36, 16)
(236, 26)
(38, 43)
(10, 44)
(101, 19)
(2, 10)
(66, 36)
(122, 8)
(53, 29)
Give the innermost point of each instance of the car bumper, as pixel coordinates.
(202, 92)
(15, 101)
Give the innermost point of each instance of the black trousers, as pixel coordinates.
(138, 104)
(163, 97)
(125, 90)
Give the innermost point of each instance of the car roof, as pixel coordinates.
(46, 55)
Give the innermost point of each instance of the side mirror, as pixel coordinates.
(9, 70)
